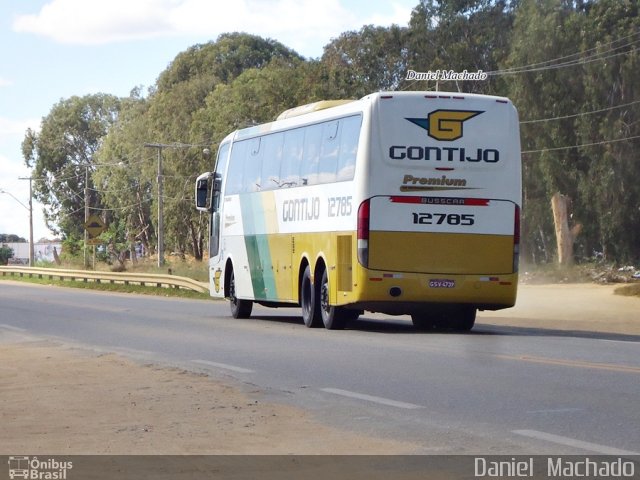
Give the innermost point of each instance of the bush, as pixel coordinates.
(5, 254)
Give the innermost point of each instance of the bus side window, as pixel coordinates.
(349, 137)
(311, 154)
(235, 171)
(329, 152)
(291, 158)
(271, 158)
(252, 179)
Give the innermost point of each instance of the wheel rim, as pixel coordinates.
(232, 289)
(324, 297)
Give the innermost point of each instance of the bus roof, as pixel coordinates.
(311, 107)
(324, 109)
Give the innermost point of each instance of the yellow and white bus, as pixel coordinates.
(400, 203)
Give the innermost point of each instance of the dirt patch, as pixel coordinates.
(584, 307)
(58, 400)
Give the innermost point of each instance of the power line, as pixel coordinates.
(579, 114)
(558, 66)
(549, 63)
(580, 146)
(124, 207)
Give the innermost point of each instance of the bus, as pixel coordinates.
(402, 203)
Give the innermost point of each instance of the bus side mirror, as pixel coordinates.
(203, 192)
(208, 187)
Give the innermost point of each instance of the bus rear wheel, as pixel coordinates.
(465, 319)
(423, 322)
(459, 318)
(333, 318)
(239, 308)
(309, 300)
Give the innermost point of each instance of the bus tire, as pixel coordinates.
(309, 300)
(333, 318)
(423, 322)
(465, 319)
(239, 308)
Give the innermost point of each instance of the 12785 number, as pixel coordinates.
(443, 219)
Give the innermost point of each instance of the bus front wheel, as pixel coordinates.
(239, 308)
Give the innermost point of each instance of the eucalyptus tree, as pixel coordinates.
(461, 35)
(61, 156)
(121, 180)
(545, 89)
(369, 60)
(164, 120)
(611, 136)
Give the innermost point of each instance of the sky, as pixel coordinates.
(54, 49)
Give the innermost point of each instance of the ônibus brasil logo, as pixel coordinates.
(445, 124)
(34, 469)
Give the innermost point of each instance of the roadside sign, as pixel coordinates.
(94, 226)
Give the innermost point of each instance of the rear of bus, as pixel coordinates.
(438, 231)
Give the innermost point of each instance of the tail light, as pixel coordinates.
(363, 233)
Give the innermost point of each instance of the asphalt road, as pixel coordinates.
(496, 390)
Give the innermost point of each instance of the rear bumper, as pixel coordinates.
(405, 293)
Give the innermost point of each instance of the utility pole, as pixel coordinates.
(159, 146)
(86, 213)
(31, 247)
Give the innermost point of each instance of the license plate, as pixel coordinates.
(442, 283)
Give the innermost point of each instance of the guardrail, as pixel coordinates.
(167, 281)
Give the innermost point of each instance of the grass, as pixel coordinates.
(176, 266)
(115, 287)
(173, 265)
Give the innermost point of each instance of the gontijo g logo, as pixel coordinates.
(445, 124)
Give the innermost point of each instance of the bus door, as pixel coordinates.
(209, 199)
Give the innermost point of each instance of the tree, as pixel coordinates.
(541, 91)
(62, 158)
(11, 238)
(611, 188)
(5, 254)
(167, 117)
(577, 99)
(372, 59)
(223, 60)
(461, 35)
(181, 93)
(121, 179)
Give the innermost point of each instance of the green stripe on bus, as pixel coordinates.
(258, 253)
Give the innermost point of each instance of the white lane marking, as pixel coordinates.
(621, 342)
(12, 328)
(572, 442)
(224, 366)
(558, 410)
(371, 398)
